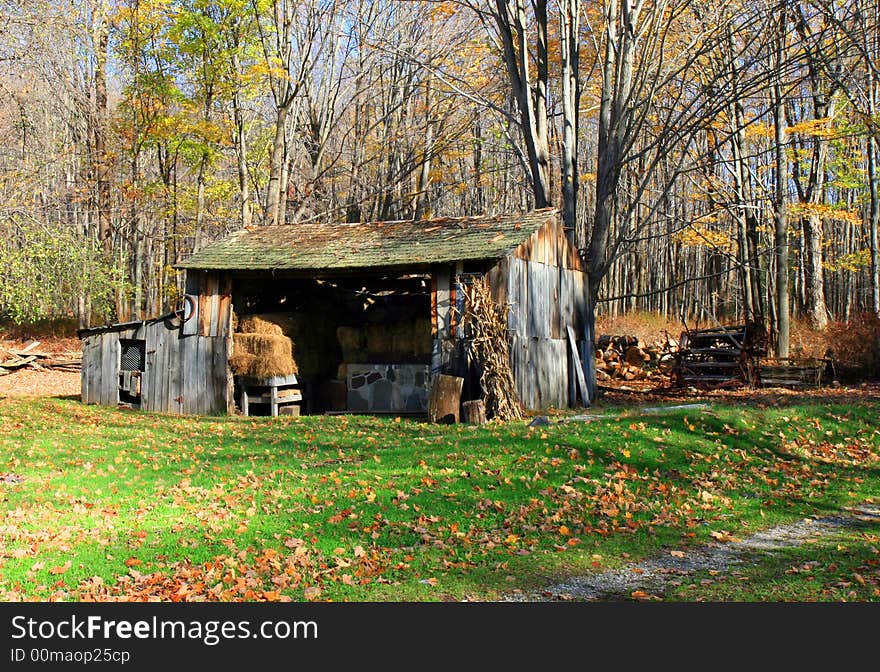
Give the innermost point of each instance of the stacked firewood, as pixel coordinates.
(13, 359)
(628, 358)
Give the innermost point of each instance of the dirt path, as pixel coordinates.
(655, 574)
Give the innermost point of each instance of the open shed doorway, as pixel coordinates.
(360, 344)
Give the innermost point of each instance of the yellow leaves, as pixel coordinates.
(813, 128)
(759, 131)
(826, 212)
(271, 67)
(698, 235)
(444, 10)
(722, 535)
(853, 262)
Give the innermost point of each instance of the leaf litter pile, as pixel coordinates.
(105, 504)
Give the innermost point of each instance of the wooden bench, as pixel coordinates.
(279, 392)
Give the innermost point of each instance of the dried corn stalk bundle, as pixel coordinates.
(486, 323)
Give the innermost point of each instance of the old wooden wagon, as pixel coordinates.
(373, 312)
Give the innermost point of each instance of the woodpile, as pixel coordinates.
(485, 323)
(627, 358)
(13, 359)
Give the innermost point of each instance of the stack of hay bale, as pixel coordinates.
(261, 350)
(406, 341)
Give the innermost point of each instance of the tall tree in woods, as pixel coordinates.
(658, 92)
(780, 191)
(133, 131)
(846, 50)
(100, 37)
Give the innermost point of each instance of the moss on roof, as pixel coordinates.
(310, 246)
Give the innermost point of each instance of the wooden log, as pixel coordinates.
(18, 363)
(475, 412)
(445, 398)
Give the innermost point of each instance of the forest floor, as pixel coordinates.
(27, 382)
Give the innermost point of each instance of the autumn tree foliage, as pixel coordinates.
(689, 144)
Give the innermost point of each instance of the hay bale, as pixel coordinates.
(380, 339)
(262, 355)
(256, 324)
(352, 341)
(422, 336)
(403, 338)
(287, 324)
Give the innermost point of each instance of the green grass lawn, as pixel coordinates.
(115, 504)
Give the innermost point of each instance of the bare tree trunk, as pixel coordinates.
(424, 177)
(614, 87)
(102, 162)
(277, 164)
(570, 32)
(513, 27)
(780, 200)
(244, 185)
(480, 206)
(874, 217)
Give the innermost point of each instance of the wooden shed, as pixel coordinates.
(156, 365)
(373, 312)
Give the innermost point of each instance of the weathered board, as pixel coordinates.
(545, 301)
(186, 374)
(578, 369)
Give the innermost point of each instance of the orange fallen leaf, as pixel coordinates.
(60, 569)
(132, 562)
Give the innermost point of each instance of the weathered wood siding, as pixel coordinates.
(544, 283)
(186, 366)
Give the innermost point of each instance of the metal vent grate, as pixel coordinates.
(133, 355)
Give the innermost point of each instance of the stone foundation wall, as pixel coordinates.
(387, 388)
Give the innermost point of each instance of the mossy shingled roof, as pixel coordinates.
(312, 246)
